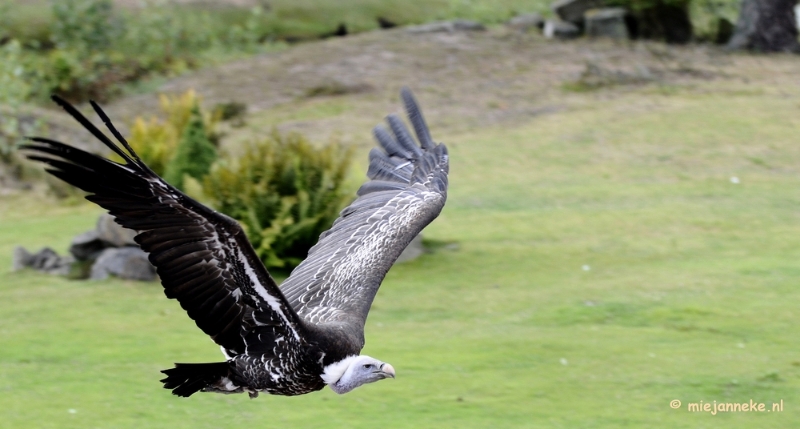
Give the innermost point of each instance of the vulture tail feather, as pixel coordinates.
(189, 378)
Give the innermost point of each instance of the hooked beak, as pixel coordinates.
(386, 371)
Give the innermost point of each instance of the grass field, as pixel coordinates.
(591, 266)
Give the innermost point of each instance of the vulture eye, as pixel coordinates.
(368, 366)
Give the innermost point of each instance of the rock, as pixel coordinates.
(414, 250)
(447, 27)
(466, 25)
(20, 259)
(797, 16)
(123, 262)
(107, 233)
(45, 260)
(573, 10)
(113, 233)
(606, 22)
(86, 246)
(554, 29)
(525, 22)
(434, 27)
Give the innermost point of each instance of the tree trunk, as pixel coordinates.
(766, 26)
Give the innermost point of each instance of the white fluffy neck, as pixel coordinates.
(333, 372)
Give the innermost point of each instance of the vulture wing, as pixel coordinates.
(203, 257)
(406, 191)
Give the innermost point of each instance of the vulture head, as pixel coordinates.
(349, 373)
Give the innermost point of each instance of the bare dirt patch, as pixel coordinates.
(464, 80)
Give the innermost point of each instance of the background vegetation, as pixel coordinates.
(86, 48)
(97, 49)
(604, 253)
(284, 191)
(194, 153)
(155, 140)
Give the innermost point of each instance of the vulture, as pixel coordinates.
(290, 339)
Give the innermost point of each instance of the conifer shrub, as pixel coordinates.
(155, 140)
(194, 154)
(178, 110)
(284, 192)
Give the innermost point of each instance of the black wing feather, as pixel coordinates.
(203, 257)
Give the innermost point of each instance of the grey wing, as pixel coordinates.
(202, 257)
(406, 191)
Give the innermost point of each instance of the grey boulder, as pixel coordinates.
(124, 262)
(107, 233)
(606, 22)
(86, 246)
(555, 29)
(447, 27)
(573, 10)
(45, 260)
(113, 233)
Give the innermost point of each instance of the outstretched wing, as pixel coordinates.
(202, 257)
(406, 191)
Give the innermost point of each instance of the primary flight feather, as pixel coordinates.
(286, 340)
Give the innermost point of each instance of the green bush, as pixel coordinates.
(13, 92)
(707, 14)
(15, 123)
(284, 192)
(80, 64)
(87, 48)
(155, 140)
(195, 152)
(164, 41)
(86, 25)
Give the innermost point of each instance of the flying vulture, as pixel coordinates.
(286, 340)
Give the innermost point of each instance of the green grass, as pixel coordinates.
(691, 291)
